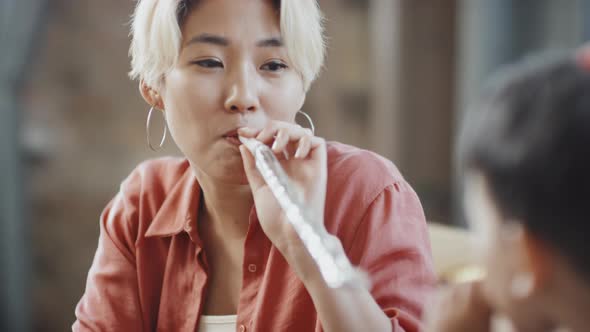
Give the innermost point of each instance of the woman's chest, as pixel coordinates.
(224, 279)
(181, 280)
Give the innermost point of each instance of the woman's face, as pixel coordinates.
(233, 71)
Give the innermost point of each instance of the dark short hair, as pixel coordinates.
(530, 137)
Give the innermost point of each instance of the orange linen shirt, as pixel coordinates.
(150, 272)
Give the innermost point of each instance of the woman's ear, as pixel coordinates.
(302, 102)
(539, 258)
(533, 272)
(151, 96)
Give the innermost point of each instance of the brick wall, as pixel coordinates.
(83, 133)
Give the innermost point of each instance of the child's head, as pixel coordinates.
(525, 150)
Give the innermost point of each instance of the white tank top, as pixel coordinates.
(226, 323)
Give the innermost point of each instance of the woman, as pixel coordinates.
(199, 243)
(525, 150)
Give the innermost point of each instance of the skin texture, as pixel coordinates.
(528, 281)
(233, 73)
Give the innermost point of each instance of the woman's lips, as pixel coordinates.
(232, 137)
(233, 140)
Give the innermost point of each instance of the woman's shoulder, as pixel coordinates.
(357, 178)
(144, 192)
(154, 180)
(162, 173)
(359, 166)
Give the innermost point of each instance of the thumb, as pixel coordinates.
(254, 178)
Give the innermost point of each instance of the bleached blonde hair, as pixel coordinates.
(156, 37)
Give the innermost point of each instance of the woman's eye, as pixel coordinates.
(273, 66)
(209, 63)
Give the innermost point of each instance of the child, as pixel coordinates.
(525, 153)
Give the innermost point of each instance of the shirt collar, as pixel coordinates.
(179, 210)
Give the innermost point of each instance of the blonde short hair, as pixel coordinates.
(156, 37)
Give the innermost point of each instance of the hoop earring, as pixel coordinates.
(147, 130)
(521, 286)
(308, 118)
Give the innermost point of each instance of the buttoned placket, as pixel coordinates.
(255, 247)
(200, 260)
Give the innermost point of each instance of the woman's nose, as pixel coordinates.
(242, 95)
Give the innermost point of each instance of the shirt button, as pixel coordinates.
(252, 268)
(242, 328)
(188, 226)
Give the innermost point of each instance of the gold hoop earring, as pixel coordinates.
(308, 118)
(147, 130)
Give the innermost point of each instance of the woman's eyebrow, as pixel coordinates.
(207, 38)
(270, 42)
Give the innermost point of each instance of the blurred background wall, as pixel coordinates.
(398, 76)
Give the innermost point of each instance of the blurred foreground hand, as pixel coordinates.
(459, 308)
